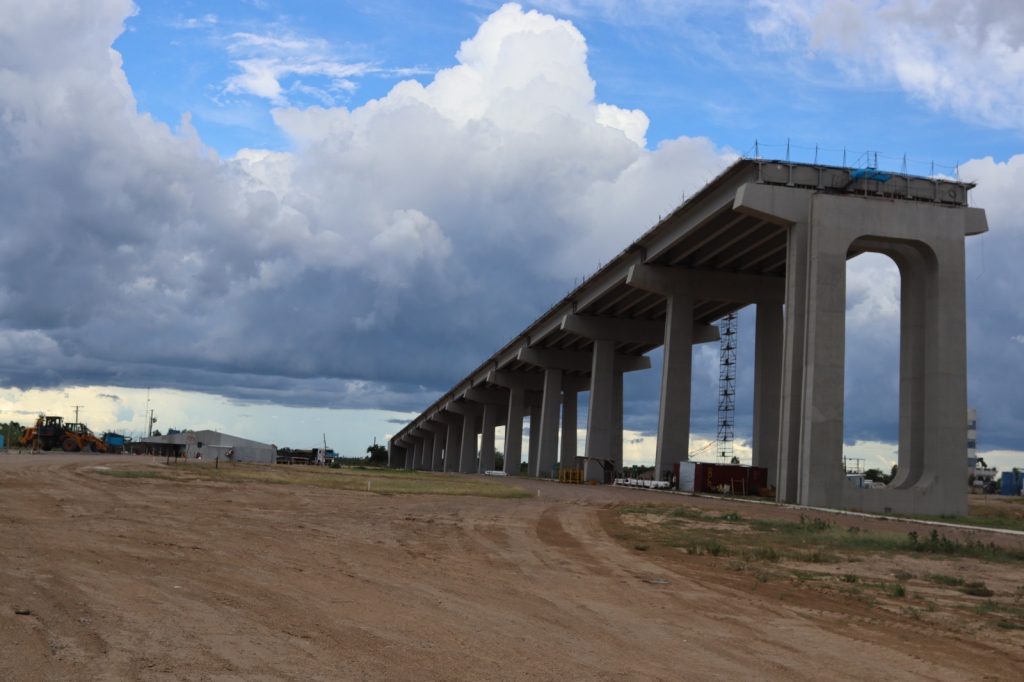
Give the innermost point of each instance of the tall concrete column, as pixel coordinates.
(767, 387)
(790, 208)
(676, 377)
(534, 402)
(514, 430)
(412, 453)
(467, 460)
(426, 456)
(677, 365)
(395, 456)
(470, 411)
(437, 461)
(488, 421)
(453, 444)
(913, 320)
(569, 417)
(548, 427)
(601, 415)
(617, 420)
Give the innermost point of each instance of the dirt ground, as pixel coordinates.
(152, 579)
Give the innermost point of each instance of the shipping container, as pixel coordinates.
(729, 478)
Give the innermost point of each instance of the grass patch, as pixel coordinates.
(363, 479)
(976, 589)
(1009, 625)
(896, 590)
(811, 539)
(989, 512)
(946, 580)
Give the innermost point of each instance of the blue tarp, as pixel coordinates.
(870, 174)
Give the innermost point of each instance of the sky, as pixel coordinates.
(289, 219)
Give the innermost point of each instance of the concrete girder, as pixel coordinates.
(627, 330)
(515, 380)
(486, 396)
(577, 361)
(712, 285)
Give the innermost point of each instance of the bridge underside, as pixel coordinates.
(771, 234)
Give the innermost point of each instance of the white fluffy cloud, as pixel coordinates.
(965, 56)
(392, 250)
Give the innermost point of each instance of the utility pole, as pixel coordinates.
(77, 407)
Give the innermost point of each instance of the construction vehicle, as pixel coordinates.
(51, 432)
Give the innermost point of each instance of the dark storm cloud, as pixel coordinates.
(371, 267)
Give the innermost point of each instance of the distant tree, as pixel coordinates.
(12, 433)
(875, 475)
(156, 432)
(377, 454)
(499, 461)
(735, 459)
(880, 476)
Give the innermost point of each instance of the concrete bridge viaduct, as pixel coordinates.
(772, 234)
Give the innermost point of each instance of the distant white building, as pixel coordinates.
(977, 470)
(212, 444)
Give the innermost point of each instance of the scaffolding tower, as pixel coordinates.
(727, 387)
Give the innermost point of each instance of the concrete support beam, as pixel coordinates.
(601, 417)
(487, 396)
(534, 441)
(453, 443)
(521, 389)
(396, 456)
(471, 413)
(927, 242)
(467, 460)
(767, 387)
(426, 458)
(417, 454)
(452, 440)
(489, 419)
(437, 460)
(713, 285)
(514, 430)
(577, 361)
(567, 459)
(548, 426)
(623, 330)
(677, 365)
(628, 330)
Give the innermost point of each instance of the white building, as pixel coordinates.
(212, 444)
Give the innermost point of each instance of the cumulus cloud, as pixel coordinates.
(271, 66)
(955, 55)
(383, 257)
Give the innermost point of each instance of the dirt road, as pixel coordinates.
(159, 580)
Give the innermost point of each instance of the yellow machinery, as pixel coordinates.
(52, 432)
